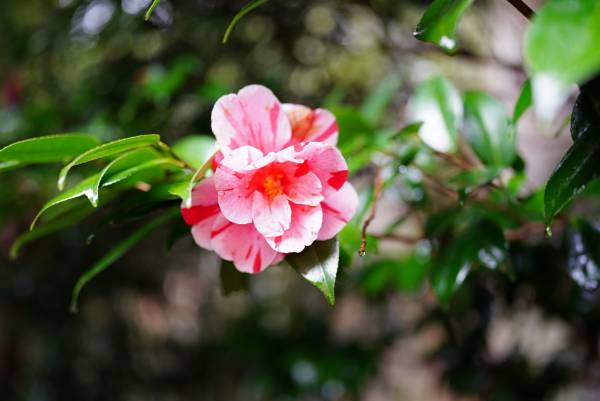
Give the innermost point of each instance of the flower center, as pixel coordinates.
(272, 185)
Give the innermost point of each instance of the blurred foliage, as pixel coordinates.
(460, 292)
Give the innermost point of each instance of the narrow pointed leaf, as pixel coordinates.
(117, 252)
(524, 101)
(46, 149)
(318, 264)
(438, 24)
(127, 160)
(105, 150)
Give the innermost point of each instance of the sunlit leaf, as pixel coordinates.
(561, 48)
(117, 252)
(318, 264)
(105, 150)
(438, 105)
(45, 149)
(488, 129)
(195, 150)
(438, 24)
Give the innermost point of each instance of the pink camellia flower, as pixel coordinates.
(279, 184)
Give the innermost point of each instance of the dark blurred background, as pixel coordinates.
(156, 326)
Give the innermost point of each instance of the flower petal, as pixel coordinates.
(326, 162)
(271, 216)
(311, 125)
(203, 212)
(303, 231)
(243, 245)
(304, 189)
(338, 209)
(231, 183)
(252, 117)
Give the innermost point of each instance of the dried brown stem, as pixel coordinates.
(377, 188)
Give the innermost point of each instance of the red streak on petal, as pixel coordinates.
(217, 160)
(338, 178)
(249, 252)
(332, 129)
(302, 169)
(335, 213)
(274, 118)
(220, 230)
(196, 214)
(257, 263)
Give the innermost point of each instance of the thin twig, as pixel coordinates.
(522, 8)
(453, 160)
(377, 188)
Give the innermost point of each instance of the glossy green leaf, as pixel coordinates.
(123, 162)
(583, 258)
(195, 150)
(438, 105)
(87, 186)
(318, 264)
(245, 10)
(231, 279)
(524, 101)
(581, 164)
(488, 129)
(46, 149)
(117, 252)
(438, 24)
(105, 150)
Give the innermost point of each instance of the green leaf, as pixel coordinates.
(10, 165)
(117, 252)
(46, 149)
(195, 150)
(482, 244)
(123, 162)
(437, 104)
(245, 10)
(562, 41)
(488, 130)
(151, 10)
(438, 24)
(524, 101)
(561, 48)
(87, 186)
(318, 264)
(232, 280)
(468, 180)
(105, 150)
(581, 164)
(583, 259)
(378, 100)
(66, 220)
